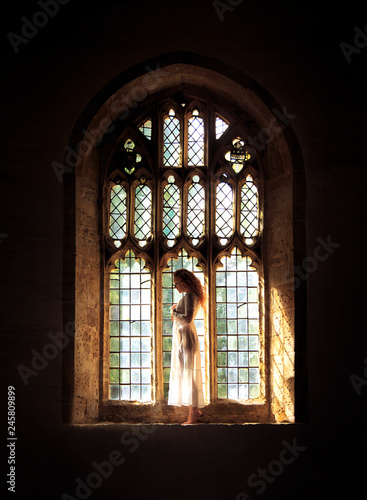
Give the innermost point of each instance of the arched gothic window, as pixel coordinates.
(183, 189)
(164, 178)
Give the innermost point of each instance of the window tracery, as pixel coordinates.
(189, 200)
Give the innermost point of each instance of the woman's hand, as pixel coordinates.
(172, 309)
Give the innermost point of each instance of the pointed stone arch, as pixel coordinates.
(269, 127)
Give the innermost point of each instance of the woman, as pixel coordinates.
(186, 385)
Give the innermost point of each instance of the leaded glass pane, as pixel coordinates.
(118, 213)
(224, 219)
(237, 335)
(170, 296)
(220, 127)
(130, 336)
(195, 140)
(143, 213)
(195, 211)
(171, 211)
(171, 140)
(249, 223)
(146, 128)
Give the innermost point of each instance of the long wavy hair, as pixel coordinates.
(193, 282)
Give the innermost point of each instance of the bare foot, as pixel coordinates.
(194, 414)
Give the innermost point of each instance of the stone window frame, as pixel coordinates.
(284, 247)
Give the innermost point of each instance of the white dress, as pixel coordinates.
(186, 385)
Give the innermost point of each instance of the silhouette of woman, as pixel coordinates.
(186, 385)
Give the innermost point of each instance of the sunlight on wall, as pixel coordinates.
(282, 352)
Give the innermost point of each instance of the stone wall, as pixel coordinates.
(291, 56)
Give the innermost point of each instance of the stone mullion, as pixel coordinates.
(184, 199)
(237, 204)
(157, 361)
(213, 252)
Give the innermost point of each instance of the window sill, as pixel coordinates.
(218, 412)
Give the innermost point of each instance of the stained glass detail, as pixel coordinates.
(170, 296)
(171, 211)
(220, 127)
(171, 140)
(238, 155)
(129, 145)
(130, 158)
(237, 306)
(146, 128)
(195, 140)
(224, 219)
(195, 211)
(130, 330)
(237, 167)
(143, 213)
(118, 212)
(249, 222)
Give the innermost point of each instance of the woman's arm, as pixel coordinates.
(188, 316)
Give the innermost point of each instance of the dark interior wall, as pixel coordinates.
(294, 53)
